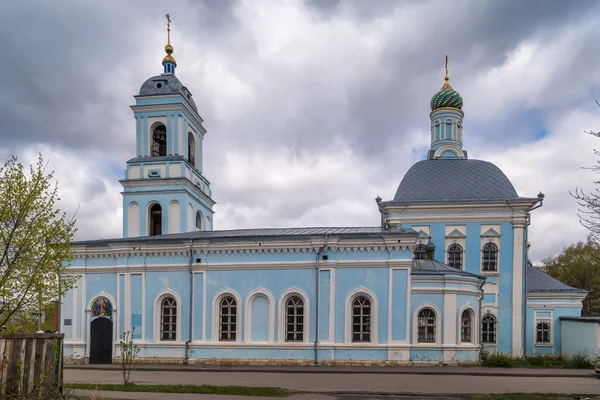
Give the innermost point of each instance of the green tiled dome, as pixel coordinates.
(446, 97)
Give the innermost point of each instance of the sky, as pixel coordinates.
(313, 107)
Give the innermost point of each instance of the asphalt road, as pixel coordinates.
(429, 385)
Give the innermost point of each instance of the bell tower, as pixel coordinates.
(164, 190)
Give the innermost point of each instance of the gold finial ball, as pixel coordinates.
(169, 49)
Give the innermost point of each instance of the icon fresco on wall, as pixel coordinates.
(101, 307)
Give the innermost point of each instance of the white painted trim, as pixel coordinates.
(361, 291)
(536, 320)
(408, 300)
(552, 305)
(517, 291)
(144, 306)
(332, 283)
(293, 291)
(74, 317)
(157, 316)
(475, 339)
(101, 294)
(438, 325)
(84, 327)
(450, 302)
(216, 317)
(458, 240)
(127, 314)
(444, 290)
(260, 292)
(204, 279)
(390, 304)
(490, 239)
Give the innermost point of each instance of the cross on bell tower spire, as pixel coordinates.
(169, 62)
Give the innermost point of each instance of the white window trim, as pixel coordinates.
(438, 326)
(550, 320)
(495, 239)
(459, 240)
(495, 343)
(216, 314)
(248, 317)
(158, 317)
(361, 291)
(294, 291)
(474, 325)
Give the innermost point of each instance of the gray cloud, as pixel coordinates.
(344, 82)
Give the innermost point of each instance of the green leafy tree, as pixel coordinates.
(35, 250)
(579, 266)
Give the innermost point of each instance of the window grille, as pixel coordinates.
(542, 330)
(455, 255)
(361, 319)
(490, 257)
(465, 327)
(419, 253)
(426, 326)
(294, 317)
(488, 329)
(168, 330)
(228, 319)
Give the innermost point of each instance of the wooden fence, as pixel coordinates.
(30, 363)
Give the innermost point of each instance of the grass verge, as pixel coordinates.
(195, 389)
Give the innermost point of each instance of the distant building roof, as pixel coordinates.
(270, 233)
(538, 281)
(431, 267)
(455, 180)
(581, 319)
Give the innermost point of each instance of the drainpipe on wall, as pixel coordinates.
(480, 311)
(191, 305)
(318, 287)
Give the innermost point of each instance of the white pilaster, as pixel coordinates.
(517, 290)
(450, 328)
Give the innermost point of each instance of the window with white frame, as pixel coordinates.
(455, 256)
(466, 327)
(426, 321)
(361, 319)
(488, 329)
(168, 319)
(294, 319)
(489, 255)
(419, 253)
(227, 319)
(543, 332)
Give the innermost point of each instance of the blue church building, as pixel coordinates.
(443, 275)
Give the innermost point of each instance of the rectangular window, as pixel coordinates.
(542, 332)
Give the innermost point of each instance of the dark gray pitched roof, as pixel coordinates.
(454, 179)
(166, 84)
(266, 233)
(431, 267)
(538, 281)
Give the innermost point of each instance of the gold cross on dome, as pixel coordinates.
(446, 66)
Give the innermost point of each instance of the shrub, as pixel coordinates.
(580, 360)
(498, 360)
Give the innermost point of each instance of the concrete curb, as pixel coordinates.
(363, 370)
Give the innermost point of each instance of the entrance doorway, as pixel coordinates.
(101, 333)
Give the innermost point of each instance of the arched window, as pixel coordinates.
(227, 319)
(168, 319)
(542, 332)
(191, 149)
(455, 255)
(488, 329)
(155, 220)
(198, 220)
(466, 331)
(419, 252)
(426, 326)
(294, 319)
(489, 257)
(159, 141)
(361, 319)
